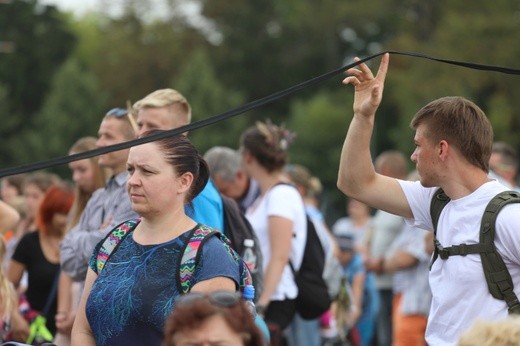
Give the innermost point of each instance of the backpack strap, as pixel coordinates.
(191, 255)
(497, 275)
(112, 241)
(498, 278)
(439, 201)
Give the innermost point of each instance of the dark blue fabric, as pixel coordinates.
(136, 291)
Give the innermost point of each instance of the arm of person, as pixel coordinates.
(20, 327)
(358, 287)
(76, 249)
(63, 320)
(81, 332)
(357, 177)
(9, 217)
(399, 260)
(15, 272)
(215, 284)
(280, 239)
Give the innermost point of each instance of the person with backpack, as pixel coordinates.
(453, 140)
(307, 331)
(279, 220)
(167, 109)
(137, 272)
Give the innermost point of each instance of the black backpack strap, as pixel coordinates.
(439, 201)
(497, 275)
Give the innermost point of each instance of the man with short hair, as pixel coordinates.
(108, 206)
(167, 109)
(228, 176)
(453, 141)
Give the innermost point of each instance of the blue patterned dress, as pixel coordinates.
(135, 293)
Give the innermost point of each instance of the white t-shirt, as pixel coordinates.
(459, 288)
(284, 201)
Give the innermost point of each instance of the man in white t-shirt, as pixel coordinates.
(453, 140)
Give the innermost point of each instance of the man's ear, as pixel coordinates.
(443, 149)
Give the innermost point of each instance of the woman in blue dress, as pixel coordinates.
(128, 301)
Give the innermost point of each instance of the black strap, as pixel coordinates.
(236, 111)
(52, 294)
(439, 201)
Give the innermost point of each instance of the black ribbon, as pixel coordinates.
(236, 111)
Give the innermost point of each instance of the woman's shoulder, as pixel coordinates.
(32, 237)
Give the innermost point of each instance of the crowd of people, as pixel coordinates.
(124, 252)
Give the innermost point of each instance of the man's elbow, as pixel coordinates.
(346, 186)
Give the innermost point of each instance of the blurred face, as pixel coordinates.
(345, 256)
(153, 185)
(83, 175)
(33, 198)
(214, 331)
(163, 118)
(234, 189)
(7, 191)
(110, 133)
(58, 223)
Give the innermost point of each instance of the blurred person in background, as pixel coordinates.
(34, 187)
(503, 164)
(38, 253)
(358, 320)
(229, 176)
(109, 205)
(409, 260)
(385, 228)
(358, 222)
(88, 176)
(279, 220)
(302, 331)
(11, 189)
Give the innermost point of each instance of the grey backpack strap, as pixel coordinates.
(497, 275)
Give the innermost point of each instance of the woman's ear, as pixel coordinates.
(184, 182)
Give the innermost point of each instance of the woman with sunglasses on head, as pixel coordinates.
(218, 318)
(128, 301)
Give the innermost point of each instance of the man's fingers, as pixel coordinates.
(351, 80)
(383, 67)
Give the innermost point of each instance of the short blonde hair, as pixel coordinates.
(504, 332)
(164, 98)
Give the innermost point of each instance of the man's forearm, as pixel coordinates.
(356, 167)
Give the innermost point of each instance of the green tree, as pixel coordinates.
(42, 42)
(73, 109)
(208, 97)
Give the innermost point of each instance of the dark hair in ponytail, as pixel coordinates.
(184, 157)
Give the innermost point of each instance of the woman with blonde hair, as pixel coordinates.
(88, 176)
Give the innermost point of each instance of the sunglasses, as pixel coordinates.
(118, 112)
(225, 299)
